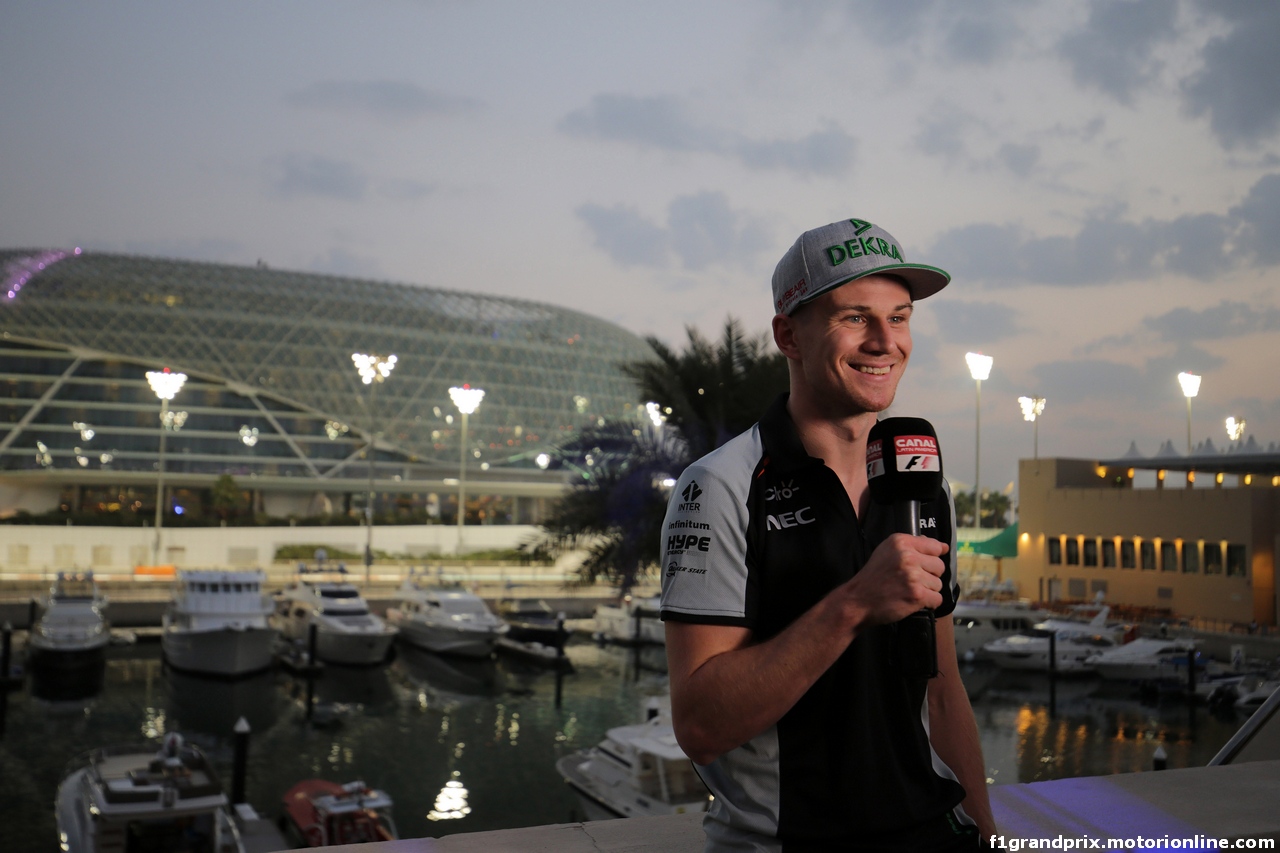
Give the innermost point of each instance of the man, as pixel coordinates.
(783, 585)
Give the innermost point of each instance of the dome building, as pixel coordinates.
(273, 398)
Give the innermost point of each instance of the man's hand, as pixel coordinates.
(725, 689)
(903, 576)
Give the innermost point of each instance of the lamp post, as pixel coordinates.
(1190, 383)
(1235, 429)
(166, 385)
(467, 399)
(1032, 408)
(373, 370)
(979, 369)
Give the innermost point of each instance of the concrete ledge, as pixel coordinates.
(1233, 801)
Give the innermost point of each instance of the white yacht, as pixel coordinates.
(636, 771)
(631, 621)
(346, 632)
(446, 621)
(981, 621)
(216, 623)
(138, 798)
(1075, 643)
(73, 633)
(1145, 659)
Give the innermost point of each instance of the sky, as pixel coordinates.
(1102, 179)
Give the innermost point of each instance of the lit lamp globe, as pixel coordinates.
(467, 400)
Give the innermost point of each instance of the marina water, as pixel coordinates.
(465, 746)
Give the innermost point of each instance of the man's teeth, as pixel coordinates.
(875, 371)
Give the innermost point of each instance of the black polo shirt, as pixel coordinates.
(756, 533)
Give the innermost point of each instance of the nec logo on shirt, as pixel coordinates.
(691, 493)
(804, 515)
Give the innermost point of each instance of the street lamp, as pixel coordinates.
(979, 369)
(1190, 383)
(373, 370)
(166, 385)
(1032, 408)
(467, 399)
(1235, 429)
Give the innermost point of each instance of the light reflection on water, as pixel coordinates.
(465, 746)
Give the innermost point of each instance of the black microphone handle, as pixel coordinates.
(906, 519)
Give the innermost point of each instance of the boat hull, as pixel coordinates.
(226, 652)
(353, 649)
(447, 641)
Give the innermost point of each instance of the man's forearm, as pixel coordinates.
(744, 689)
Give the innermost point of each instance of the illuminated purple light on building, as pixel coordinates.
(19, 271)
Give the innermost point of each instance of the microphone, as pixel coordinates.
(904, 469)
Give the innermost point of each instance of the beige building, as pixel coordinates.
(1206, 552)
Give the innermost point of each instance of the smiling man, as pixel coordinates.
(787, 685)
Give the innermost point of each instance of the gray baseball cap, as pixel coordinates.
(838, 253)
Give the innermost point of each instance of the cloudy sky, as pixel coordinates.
(1101, 178)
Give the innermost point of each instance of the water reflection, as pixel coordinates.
(212, 706)
(448, 681)
(59, 685)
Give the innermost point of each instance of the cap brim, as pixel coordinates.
(921, 280)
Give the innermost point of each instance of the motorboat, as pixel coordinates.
(325, 813)
(1145, 659)
(216, 624)
(982, 621)
(138, 798)
(346, 632)
(73, 632)
(633, 620)
(636, 771)
(446, 621)
(1251, 699)
(533, 621)
(1075, 643)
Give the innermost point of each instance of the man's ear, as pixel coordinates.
(784, 336)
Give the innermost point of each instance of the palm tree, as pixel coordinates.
(712, 392)
(709, 393)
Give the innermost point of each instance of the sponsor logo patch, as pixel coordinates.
(875, 458)
(804, 515)
(674, 568)
(782, 491)
(691, 493)
(681, 542)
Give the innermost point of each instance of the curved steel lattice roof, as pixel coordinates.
(278, 346)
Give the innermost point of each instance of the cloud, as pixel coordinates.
(1111, 384)
(1019, 159)
(309, 174)
(1225, 320)
(981, 36)
(665, 123)
(701, 231)
(405, 189)
(387, 100)
(973, 323)
(1113, 51)
(1107, 248)
(1236, 87)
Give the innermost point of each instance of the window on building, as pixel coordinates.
(1076, 588)
(1212, 558)
(1096, 587)
(1091, 552)
(1236, 565)
(1109, 554)
(1164, 592)
(1073, 551)
(1148, 556)
(1190, 557)
(1168, 557)
(1055, 551)
(1127, 557)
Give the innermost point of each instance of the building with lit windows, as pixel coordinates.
(273, 398)
(1198, 535)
